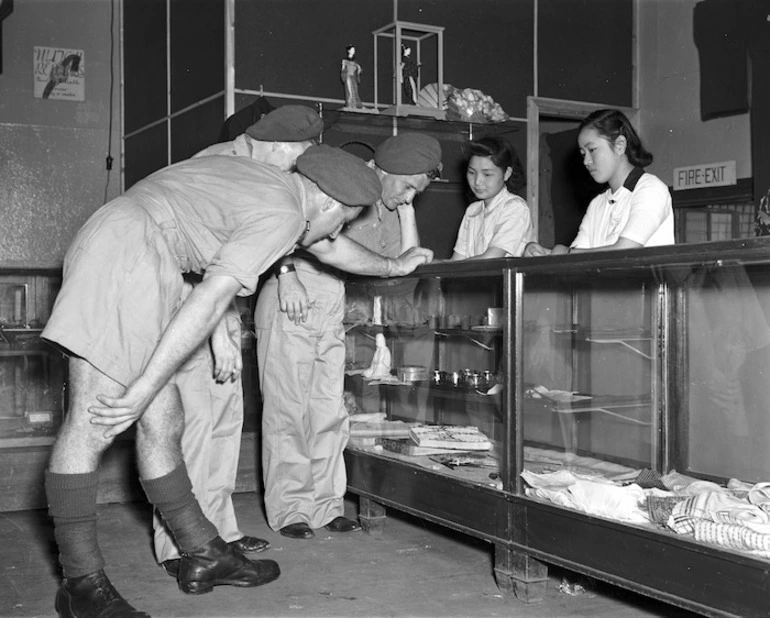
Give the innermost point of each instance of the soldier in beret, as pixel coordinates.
(121, 319)
(278, 138)
(301, 345)
(209, 382)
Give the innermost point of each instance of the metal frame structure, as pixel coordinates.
(398, 32)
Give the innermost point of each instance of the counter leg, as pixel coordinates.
(520, 574)
(372, 516)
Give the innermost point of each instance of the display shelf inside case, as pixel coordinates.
(428, 324)
(32, 373)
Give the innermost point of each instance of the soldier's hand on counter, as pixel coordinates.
(409, 260)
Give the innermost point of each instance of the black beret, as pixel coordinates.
(341, 175)
(408, 154)
(290, 123)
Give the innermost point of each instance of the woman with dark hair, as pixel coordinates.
(498, 224)
(635, 211)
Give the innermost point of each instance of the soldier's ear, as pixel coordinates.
(328, 203)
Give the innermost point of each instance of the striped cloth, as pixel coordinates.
(717, 507)
(733, 536)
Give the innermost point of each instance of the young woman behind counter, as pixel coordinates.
(499, 223)
(635, 211)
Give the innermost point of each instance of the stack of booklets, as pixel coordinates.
(450, 437)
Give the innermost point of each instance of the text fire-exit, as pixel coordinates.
(706, 175)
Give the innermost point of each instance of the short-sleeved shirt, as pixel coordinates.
(505, 223)
(640, 210)
(378, 229)
(239, 147)
(123, 272)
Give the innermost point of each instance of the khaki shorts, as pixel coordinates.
(122, 284)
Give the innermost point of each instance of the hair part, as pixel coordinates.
(503, 155)
(611, 124)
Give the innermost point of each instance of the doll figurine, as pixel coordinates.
(350, 74)
(409, 73)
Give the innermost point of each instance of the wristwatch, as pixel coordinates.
(285, 268)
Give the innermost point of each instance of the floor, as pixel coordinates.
(412, 569)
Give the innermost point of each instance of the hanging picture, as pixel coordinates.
(59, 73)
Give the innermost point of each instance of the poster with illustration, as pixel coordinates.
(59, 73)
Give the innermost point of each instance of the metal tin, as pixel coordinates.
(475, 380)
(489, 379)
(412, 373)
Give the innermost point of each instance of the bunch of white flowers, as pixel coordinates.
(472, 105)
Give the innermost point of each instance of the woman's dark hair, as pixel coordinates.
(503, 155)
(611, 124)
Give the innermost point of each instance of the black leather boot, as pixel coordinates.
(93, 596)
(218, 564)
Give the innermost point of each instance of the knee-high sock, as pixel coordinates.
(72, 505)
(172, 495)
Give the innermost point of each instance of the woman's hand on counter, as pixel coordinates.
(535, 249)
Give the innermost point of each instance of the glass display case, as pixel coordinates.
(622, 407)
(32, 373)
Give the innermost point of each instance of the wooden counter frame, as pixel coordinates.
(528, 534)
(542, 107)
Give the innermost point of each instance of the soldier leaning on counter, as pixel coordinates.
(301, 347)
(126, 330)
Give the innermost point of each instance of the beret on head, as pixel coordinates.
(341, 175)
(408, 154)
(290, 123)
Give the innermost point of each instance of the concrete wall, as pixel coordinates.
(669, 96)
(52, 152)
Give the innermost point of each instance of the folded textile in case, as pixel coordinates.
(461, 438)
(381, 429)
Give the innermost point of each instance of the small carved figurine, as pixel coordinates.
(409, 72)
(350, 74)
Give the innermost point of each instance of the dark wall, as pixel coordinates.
(585, 50)
(295, 46)
(196, 48)
(584, 46)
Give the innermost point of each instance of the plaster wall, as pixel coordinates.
(669, 96)
(53, 152)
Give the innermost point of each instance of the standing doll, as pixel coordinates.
(350, 74)
(409, 73)
(498, 224)
(635, 211)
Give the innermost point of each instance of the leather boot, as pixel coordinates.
(343, 524)
(93, 596)
(249, 544)
(218, 564)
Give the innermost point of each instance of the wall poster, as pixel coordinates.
(59, 73)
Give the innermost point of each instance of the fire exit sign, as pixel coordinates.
(706, 175)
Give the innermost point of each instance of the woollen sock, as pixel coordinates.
(72, 505)
(172, 495)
